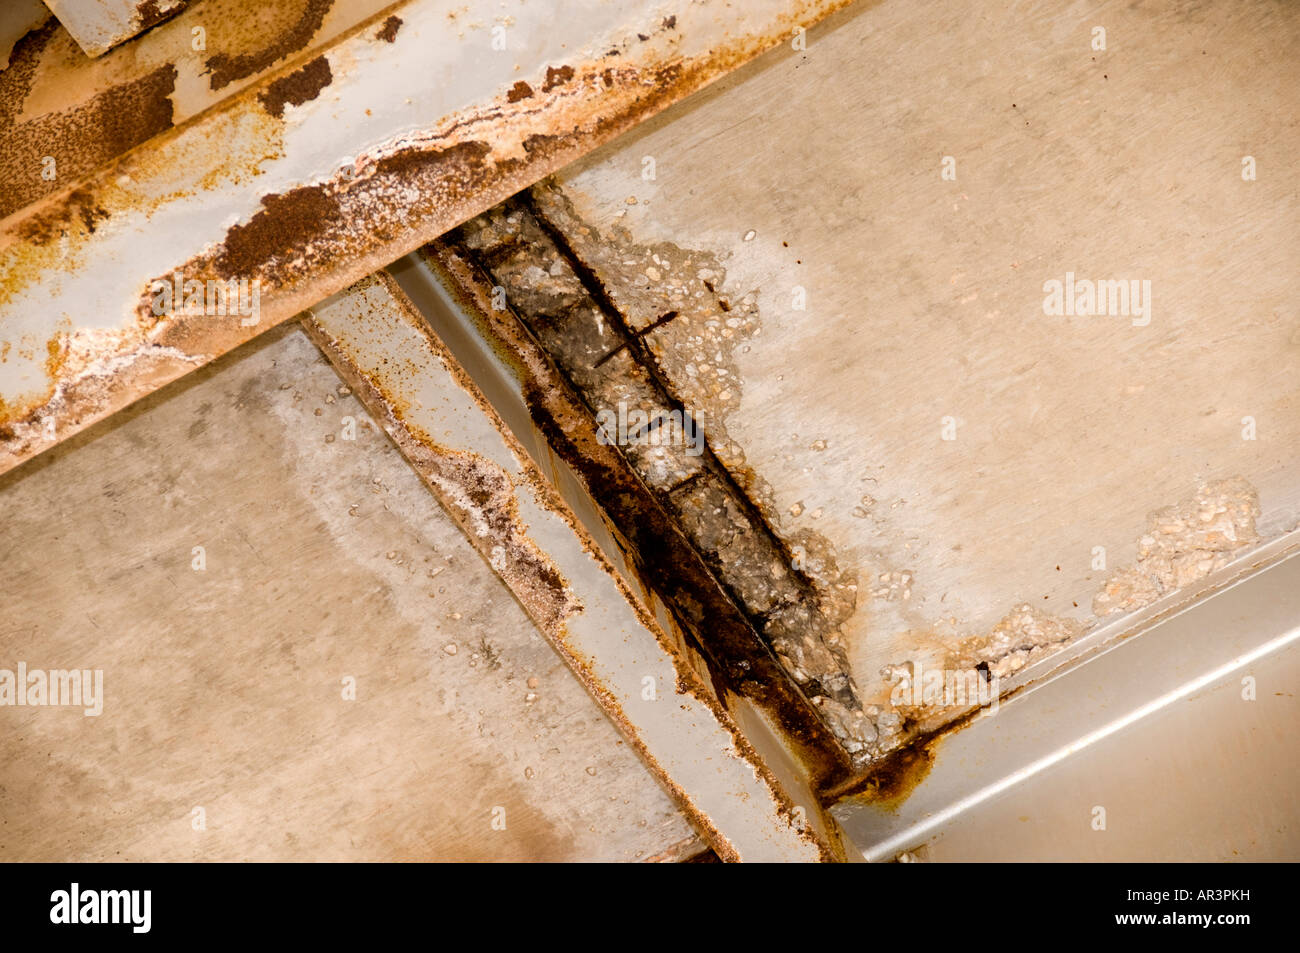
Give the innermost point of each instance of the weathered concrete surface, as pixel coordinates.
(754, 613)
(325, 558)
(1176, 744)
(815, 177)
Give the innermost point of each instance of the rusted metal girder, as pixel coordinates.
(621, 644)
(64, 115)
(100, 25)
(322, 171)
(17, 19)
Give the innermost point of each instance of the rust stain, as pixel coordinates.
(52, 236)
(388, 32)
(284, 229)
(288, 37)
(297, 233)
(304, 229)
(300, 86)
(748, 608)
(520, 90)
(479, 494)
(736, 655)
(893, 779)
(367, 214)
(88, 111)
(148, 13)
(80, 400)
(556, 77)
(80, 205)
(663, 559)
(79, 139)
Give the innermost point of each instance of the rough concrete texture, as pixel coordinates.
(622, 321)
(1185, 542)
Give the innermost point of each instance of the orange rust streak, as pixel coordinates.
(312, 242)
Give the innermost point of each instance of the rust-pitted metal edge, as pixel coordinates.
(100, 25)
(311, 235)
(17, 19)
(507, 508)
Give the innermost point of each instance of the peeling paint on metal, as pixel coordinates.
(298, 87)
(100, 25)
(64, 107)
(426, 146)
(78, 139)
(17, 19)
(225, 67)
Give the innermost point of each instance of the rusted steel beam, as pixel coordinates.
(64, 115)
(100, 25)
(322, 172)
(17, 19)
(624, 652)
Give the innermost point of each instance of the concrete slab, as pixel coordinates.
(324, 559)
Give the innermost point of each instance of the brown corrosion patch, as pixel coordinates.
(79, 206)
(893, 779)
(79, 139)
(784, 618)
(286, 40)
(282, 230)
(384, 205)
(148, 13)
(556, 77)
(518, 91)
(388, 32)
(300, 86)
(303, 229)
